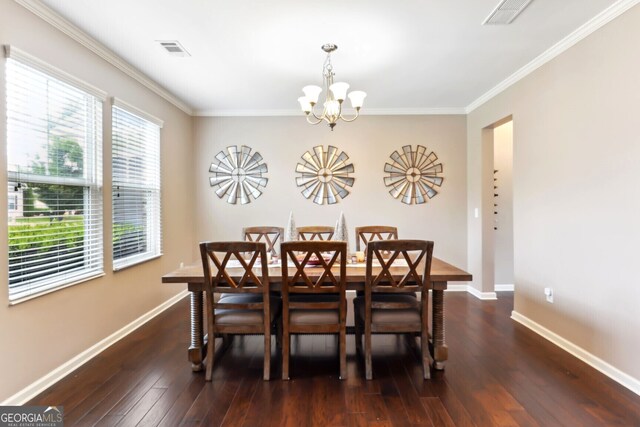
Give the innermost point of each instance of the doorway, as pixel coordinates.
(503, 207)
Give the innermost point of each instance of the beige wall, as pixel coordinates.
(39, 335)
(576, 193)
(369, 141)
(503, 220)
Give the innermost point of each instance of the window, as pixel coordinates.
(54, 164)
(136, 186)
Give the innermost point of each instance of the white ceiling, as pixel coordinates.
(254, 56)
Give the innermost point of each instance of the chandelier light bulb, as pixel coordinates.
(332, 108)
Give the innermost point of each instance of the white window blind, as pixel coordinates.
(54, 164)
(136, 186)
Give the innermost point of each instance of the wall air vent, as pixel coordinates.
(173, 47)
(506, 12)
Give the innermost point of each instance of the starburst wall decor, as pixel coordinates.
(238, 174)
(413, 175)
(324, 175)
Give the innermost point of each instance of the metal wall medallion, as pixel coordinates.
(324, 175)
(238, 174)
(413, 175)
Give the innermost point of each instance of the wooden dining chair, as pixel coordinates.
(270, 235)
(315, 232)
(313, 299)
(372, 233)
(246, 306)
(390, 304)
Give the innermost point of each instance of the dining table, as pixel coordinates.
(441, 274)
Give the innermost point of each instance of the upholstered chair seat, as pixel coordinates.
(245, 317)
(313, 317)
(385, 316)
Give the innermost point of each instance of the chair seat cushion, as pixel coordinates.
(301, 316)
(245, 317)
(389, 316)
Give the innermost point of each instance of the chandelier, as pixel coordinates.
(335, 94)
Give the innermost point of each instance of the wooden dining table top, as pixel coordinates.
(441, 271)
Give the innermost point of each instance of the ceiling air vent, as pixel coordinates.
(506, 12)
(173, 47)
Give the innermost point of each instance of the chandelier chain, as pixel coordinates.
(328, 67)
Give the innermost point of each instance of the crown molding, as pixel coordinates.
(442, 111)
(48, 15)
(246, 113)
(364, 112)
(595, 23)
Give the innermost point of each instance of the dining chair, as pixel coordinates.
(390, 304)
(313, 299)
(315, 232)
(372, 233)
(246, 306)
(271, 236)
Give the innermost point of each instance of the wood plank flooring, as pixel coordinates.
(499, 374)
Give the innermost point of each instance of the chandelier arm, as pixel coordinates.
(313, 112)
(351, 119)
(312, 122)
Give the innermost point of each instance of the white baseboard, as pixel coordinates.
(509, 287)
(481, 295)
(40, 385)
(473, 291)
(457, 288)
(612, 372)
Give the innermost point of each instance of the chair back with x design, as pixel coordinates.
(315, 232)
(270, 235)
(249, 257)
(416, 253)
(372, 233)
(320, 254)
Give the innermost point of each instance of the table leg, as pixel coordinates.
(440, 349)
(196, 348)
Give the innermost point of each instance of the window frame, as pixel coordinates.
(153, 229)
(93, 225)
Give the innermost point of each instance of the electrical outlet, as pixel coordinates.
(548, 292)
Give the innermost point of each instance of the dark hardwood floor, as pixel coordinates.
(499, 373)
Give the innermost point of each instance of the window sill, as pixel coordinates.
(133, 263)
(55, 289)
